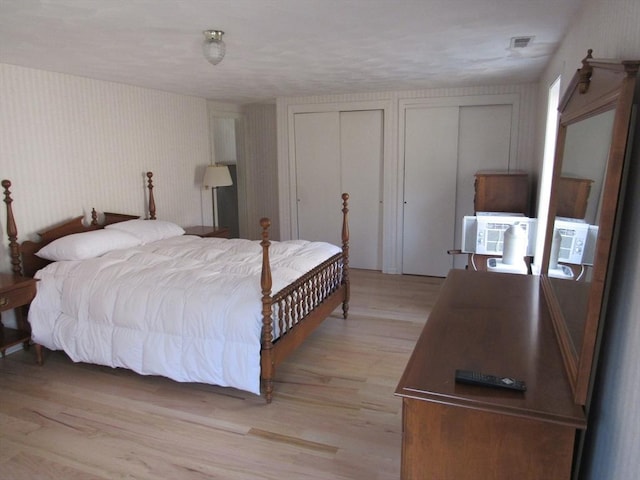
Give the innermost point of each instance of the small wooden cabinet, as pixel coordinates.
(501, 192)
(207, 232)
(16, 292)
(573, 197)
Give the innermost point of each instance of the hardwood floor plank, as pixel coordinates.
(334, 415)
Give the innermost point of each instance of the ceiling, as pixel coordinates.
(281, 48)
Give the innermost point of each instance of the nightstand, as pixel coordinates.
(15, 293)
(202, 231)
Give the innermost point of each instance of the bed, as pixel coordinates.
(156, 301)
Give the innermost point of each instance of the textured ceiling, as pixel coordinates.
(285, 47)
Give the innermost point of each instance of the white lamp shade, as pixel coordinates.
(217, 176)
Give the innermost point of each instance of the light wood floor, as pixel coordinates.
(334, 415)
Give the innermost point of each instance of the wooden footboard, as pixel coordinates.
(296, 310)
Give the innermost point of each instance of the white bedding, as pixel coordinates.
(186, 308)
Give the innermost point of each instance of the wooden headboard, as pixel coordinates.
(23, 256)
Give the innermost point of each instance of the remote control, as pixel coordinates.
(475, 378)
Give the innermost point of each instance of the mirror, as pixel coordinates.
(579, 199)
(592, 143)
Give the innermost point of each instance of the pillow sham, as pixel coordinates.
(148, 231)
(80, 246)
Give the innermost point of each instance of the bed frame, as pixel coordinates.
(298, 308)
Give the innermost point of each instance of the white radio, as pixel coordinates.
(484, 233)
(577, 241)
(508, 236)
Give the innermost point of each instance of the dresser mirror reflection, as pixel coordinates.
(593, 142)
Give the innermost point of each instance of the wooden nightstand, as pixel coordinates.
(202, 231)
(15, 293)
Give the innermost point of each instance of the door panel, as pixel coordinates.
(317, 150)
(431, 151)
(361, 152)
(228, 204)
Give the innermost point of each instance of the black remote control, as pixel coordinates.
(475, 378)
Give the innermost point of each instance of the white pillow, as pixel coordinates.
(80, 246)
(148, 230)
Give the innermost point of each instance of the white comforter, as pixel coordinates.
(186, 308)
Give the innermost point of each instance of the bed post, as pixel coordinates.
(266, 359)
(345, 253)
(152, 202)
(12, 231)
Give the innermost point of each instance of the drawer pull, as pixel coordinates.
(4, 301)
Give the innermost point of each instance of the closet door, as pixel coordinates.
(339, 152)
(431, 156)
(444, 148)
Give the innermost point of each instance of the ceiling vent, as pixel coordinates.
(521, 42)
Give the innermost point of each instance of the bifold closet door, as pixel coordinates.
(431, 157)
(339, 152)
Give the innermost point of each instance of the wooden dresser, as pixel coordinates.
(497, 324)
(497, 191)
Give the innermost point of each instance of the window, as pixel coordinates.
(547, 167)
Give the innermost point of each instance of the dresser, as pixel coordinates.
(573, 197)
(497, 191)
(496, 324)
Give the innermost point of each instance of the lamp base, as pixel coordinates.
(561, 272)
(497, 265)
(214, 206)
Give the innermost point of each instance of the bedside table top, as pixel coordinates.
(205, 231)
(9, 281)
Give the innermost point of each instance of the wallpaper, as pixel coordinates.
(69, 144)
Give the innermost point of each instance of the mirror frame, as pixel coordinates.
(598, 86)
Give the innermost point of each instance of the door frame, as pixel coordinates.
(245, 197)
(512, 99)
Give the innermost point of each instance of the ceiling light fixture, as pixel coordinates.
(213, 47)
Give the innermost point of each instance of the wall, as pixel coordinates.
(69, 144)
(261, 169)
(612, 442)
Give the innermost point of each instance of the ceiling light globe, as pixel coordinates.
(213, 47)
